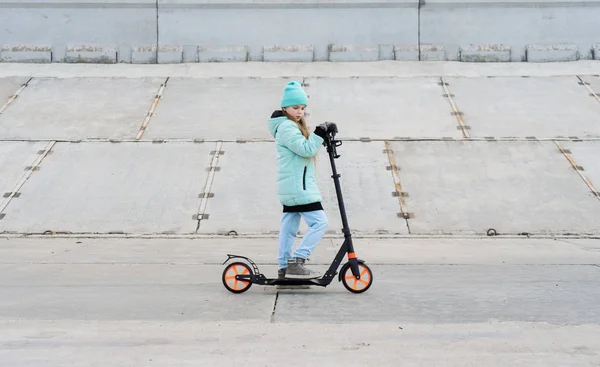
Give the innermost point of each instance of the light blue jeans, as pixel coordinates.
(290, 223)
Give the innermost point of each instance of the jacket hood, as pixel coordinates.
(277, 118)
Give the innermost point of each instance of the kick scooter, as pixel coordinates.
(356, 276)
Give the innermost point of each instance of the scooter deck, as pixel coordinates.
(292, 281)
(260, 279)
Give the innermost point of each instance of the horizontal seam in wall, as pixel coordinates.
(291, 6)
(508, 4)
(77, 6)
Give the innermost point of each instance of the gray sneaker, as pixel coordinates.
(281, 275)
(296, 270)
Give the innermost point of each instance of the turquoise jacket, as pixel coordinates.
(296, 183)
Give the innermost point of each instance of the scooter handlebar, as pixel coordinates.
(331, 143)
(332, 130)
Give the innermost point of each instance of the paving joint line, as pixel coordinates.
(25, 177)
(272, 319)
(201, 236)
(397, 184)
(205, 194)
(15, 96)
(265, 140)
(455, 110)
(150, 113)
(585, 84)
(567, 154)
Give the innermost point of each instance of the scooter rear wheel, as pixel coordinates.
(233, 285)
(357, 285)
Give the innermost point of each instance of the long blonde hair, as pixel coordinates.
(303, 128)
(301, 124)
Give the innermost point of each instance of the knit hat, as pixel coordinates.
(293, 95)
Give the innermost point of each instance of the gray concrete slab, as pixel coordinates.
(191, 23)
(382, 107)
(19, 251)
(521, 107)
(366, 184)
(14, 158)
(206, 108)
(585, 154)
(149, 343)
(9, 86)
(246, 183)
(452, 23)
(113, 187)
(113, 295)
(592, 245)
(195, 251)
(213, 251)
(512, 187)
(594, 82)
(433, 69)
(77, 108)
(455, 294)
(367, 188)
(125, 292)
(175, 302)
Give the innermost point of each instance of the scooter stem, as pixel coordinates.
(331, 149)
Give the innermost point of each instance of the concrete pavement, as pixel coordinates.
(75, 301)
(124, 187)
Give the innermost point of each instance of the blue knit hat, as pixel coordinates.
(293, 95)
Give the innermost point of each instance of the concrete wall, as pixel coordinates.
(280, 29)
(517, 30)
(77, 31)
(173, 31)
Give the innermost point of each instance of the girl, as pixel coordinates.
(296, 185)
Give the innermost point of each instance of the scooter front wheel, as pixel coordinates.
(231, 283)
(357, 285)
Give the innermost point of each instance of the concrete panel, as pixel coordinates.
(512, 187)
(289, 53)
(9, 86)
(383, 107)
(172, 251)
(552, 53)
(190, 108)
(76, 108)
(345, 53)
(26, 53)
(146, 343)
(367, 188)
(593, 83)
(14, 157)
(182, 302)
(406, 52)
(170, 55)
(383, 251)
(517, 24)
(257, 24)
(487, 53)
(144, 55)
(514, 106)
(454, 294)
(88, 22)
(239, 187)
(587, 155)
(90, 187)
(222, 53)
(433, 52)
(91, 54)
(17, 252)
